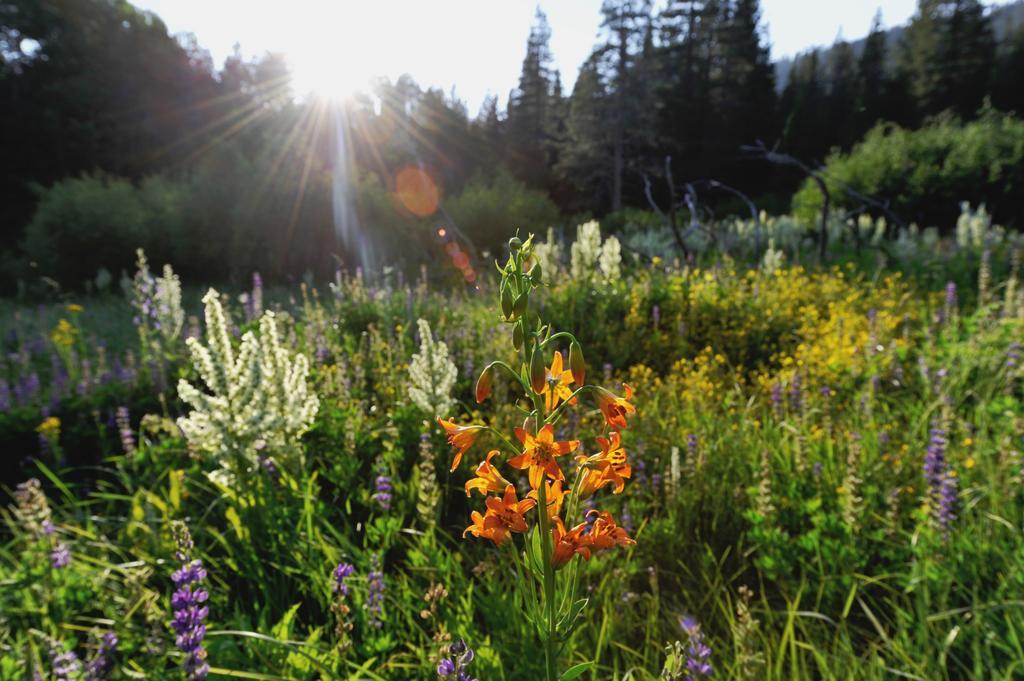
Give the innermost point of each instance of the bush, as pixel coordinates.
(926, 173)
(488, 210)
(85, 223)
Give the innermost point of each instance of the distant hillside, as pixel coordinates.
(1005, 18)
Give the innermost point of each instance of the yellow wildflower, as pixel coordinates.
(49, 428)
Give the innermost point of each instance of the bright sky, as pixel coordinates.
(336, 46)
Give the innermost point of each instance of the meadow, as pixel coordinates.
(752, 466)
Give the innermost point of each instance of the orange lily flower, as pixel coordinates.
(609, 467)
(487, 479)
(568, 544)
(460, 437)
(605, 534)
(555, 497)
(556, 384)
(503, 516)
(614, 407)
(539, 454)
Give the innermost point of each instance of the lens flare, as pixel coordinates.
(417, 191)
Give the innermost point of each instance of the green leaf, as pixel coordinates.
(574, 672)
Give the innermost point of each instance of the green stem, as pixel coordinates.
(549, 582)
(560, 334)
(550, 653)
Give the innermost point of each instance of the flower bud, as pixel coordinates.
(576, 363)
(506, 299)
(515, 244)
(519, 306)
(535, 273)
(483, 384)
(537, 369)
(517, 335)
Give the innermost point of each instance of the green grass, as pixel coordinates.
(817, 505)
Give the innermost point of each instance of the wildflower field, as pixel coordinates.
(590, 464)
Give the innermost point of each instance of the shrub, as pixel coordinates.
(84, 223)
(489, 209)
(926, 173)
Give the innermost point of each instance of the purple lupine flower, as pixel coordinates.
(5, 396)
(942, 483)
(826, 391)
(1012, 355)
(626, 521)
(321, 354)
(872, 331)
(656, 482)
(124, 429)
(640, 469)
(375, 593)
(269, 467)
(101, 665)
(816, 469)
(382, 487)
(876, 383)
(589, 504)
(64, 663)
(795, 393)
(190, 611)
(26, 388)
(58, 374)
(698, 652)
(776, 397)
(256, 299)
(951, 296)
(60, 557)
(156, 373)
(44, 446)
(691, 446)
(453, 667)
(343, 571)
(656, 315)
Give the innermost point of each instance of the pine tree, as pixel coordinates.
(627, 26)
(805, 131)
(947, 56)
(1007, 85)
(529, 110)
(842, 95)
(684, 65)
(584, 153)
(872, 78)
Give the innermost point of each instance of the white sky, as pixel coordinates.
(336, 46)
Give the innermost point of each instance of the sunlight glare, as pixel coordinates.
(338, 56)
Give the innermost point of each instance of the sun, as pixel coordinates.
(334, 79)
(338, 54)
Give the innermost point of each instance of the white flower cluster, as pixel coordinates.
(257, 399)
(610, 260)
(432, 374)
(157, 302)
(974, 228)
(588, 254)
(773, 259)
(548, 255)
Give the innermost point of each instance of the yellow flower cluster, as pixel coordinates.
(49, 428)
(756, 330)
(63, 335)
